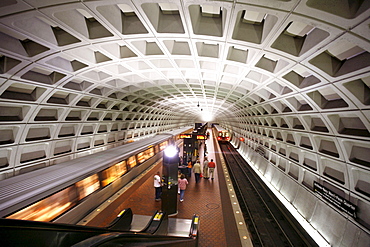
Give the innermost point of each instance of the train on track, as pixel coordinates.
(223, 135)
(66, 192)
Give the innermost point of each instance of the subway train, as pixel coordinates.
(223, 135)
(66, 192)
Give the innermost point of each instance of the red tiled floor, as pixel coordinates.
(203, 199)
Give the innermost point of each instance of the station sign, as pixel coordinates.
(201, 137)
(190, 136)
(336, 200)
(186, 136)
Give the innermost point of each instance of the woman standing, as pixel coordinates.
(182, 185)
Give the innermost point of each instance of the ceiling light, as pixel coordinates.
(170, 151)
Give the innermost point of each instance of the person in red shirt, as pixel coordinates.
(211, 167)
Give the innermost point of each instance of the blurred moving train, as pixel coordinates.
(68, 191)
(223, 135)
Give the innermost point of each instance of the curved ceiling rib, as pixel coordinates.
(292, 77)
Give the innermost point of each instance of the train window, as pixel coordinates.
(147, 154)
(223, 134)
(48, 208)
(156, 149)
(163, 145)
(87, 186)
(112, 173)
(131, 161)
(121, 167)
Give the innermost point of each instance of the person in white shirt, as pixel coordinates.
(157, 186)
(205, 168)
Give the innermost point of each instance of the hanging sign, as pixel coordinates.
(201, 137)
(186, 136)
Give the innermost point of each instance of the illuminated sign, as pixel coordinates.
(186, 136)
(201, 137)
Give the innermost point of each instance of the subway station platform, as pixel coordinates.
(210, 199)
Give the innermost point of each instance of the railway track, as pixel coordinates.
(268, 222)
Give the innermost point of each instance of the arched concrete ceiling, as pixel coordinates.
(291, 76)
(235, 58)
(75, 68)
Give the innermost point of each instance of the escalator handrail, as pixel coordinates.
(15, 223)
(194, 228)
(155, 222)
(133, 238)
(123, 221)
(150, 221)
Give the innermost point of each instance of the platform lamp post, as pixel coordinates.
(170, 175)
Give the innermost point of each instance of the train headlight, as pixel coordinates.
(170, 151)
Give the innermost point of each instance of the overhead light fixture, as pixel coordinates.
(170, 151)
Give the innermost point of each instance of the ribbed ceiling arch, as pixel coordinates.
(78, 77)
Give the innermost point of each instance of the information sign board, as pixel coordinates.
(334, 199)
(201, 137)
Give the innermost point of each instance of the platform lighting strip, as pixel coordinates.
(316, 236)
(245, 238)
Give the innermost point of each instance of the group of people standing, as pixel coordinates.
(208, 169)
(186, 168)
(207, 172)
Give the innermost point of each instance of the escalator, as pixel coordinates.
(129, 239)
(118, 233)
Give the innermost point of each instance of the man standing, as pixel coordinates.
(211, 166)
(157, 186)
(197, 170)
(205, 168)
(190, 165)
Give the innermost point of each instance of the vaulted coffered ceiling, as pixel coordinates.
(107, 71)
(291, 77)
(232, 57)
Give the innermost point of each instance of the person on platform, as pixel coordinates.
(205, 168)
(182, 182)
(157, 186)
(211, 167)
(190, 165)
(197, 171)
(180, 160)
(178, 177)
